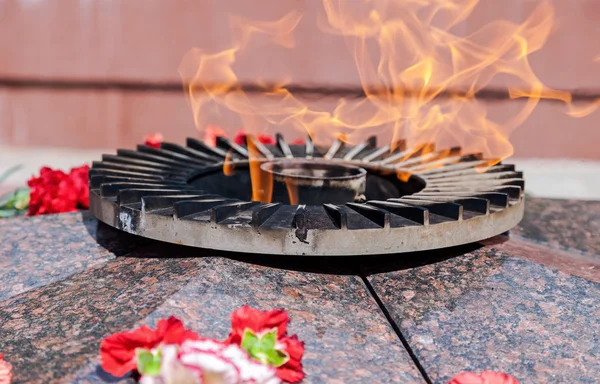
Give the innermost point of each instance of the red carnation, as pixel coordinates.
(80, 179)
(240, 138)
(265, 139)
(486, 377)
(263, 334)
(292, 370)
(5, 370)
(257, 321)
(117, 351)
(56, 192)
(153, 140)
(211, 133)
(52, 192)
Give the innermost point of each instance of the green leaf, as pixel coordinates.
(276, 358)
(249, 339)
(148, 362)
(21, 199)
(14, 203)
(5, 213)
(263, 348)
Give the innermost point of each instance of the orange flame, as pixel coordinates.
(292, 190)
(587, 108)
(229, 164)
(407, 54)
(262, 182)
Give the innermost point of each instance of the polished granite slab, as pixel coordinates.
(490, 309)
(35, 251)
(527, 304)
(51, 331)
(571, 225)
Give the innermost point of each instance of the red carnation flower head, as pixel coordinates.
(257, 321)
(80, 178)
(211, 133)
(263, 334)
(56, 192)
(291, 371)
(5, 370)
(52, 192)
(266, 139)
(486, 377)
(240, 138)
(154, 140)
(118, 351)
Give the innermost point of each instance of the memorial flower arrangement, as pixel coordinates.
(205, 361)
(212, 132)
(54, 191)
(265, 139)
(257, 350)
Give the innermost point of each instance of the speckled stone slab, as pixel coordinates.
(527, 305)
(49, 332)
(39, 250)
(562, 224)
(52, 333)
(492, 310)
(573, 263)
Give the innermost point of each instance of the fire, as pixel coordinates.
(262, 182)
(419, 75)
(229, 164)
(292, 190)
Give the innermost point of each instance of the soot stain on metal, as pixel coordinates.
(301, 221)
(301, 234)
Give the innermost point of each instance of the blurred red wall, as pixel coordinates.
(144, 40)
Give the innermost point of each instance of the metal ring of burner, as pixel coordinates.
(146, 192)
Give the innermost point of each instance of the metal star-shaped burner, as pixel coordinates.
(348, 200)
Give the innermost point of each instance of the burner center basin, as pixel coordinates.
(314, 182)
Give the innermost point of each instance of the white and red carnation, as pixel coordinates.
(249, 323)
(208, 361)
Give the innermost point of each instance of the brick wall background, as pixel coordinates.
(144, 41)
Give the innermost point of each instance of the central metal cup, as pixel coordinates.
(314, 182)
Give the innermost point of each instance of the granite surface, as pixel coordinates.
(527, 304)
(35, 251)
(491, 310)
(572, 263)
(563, 224)
(52, 333)
(49, 332)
